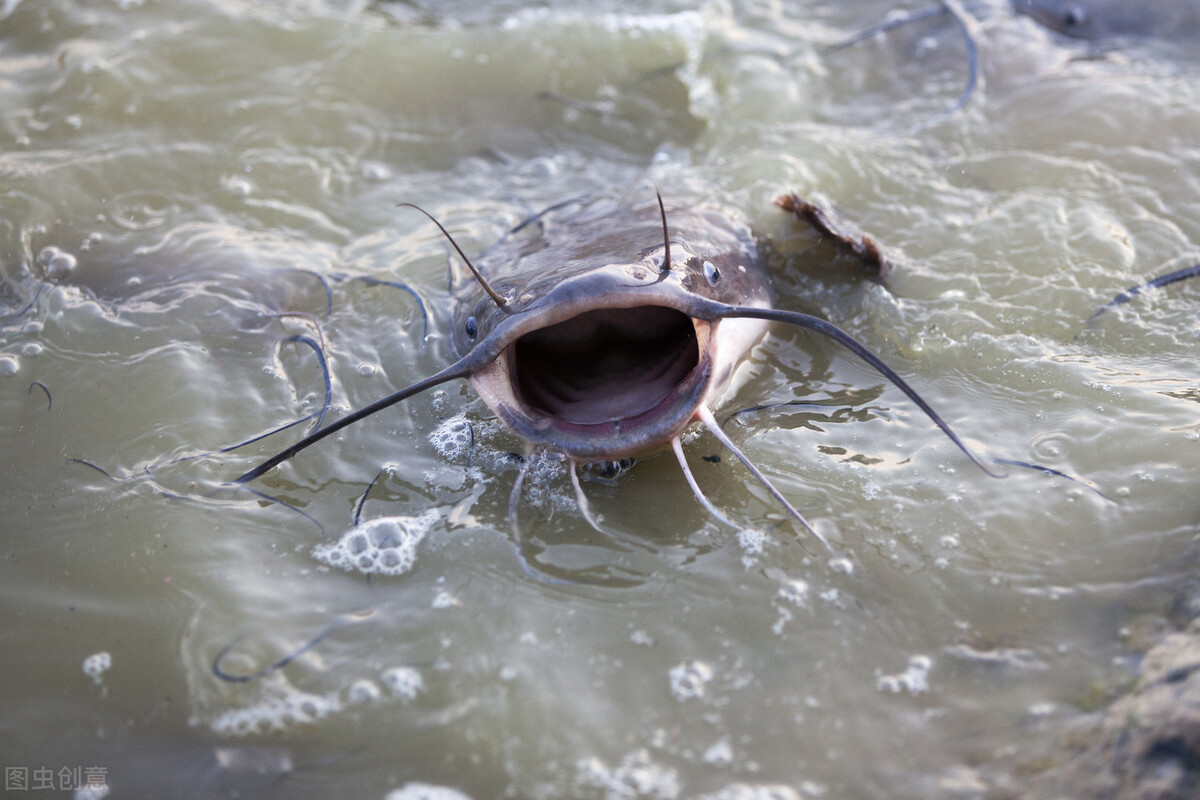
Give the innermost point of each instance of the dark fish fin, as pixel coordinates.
(1153, 283)
(832, 331)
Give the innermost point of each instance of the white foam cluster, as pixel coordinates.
(452, 439)
(636, 776)
(380, 546)
(688, 680)
(95, 665)
(283, 707)
(404, 682)
(795, 592)
(752, 541)
(276, 714)
(914, 680)
(745, 791)
(425, 791)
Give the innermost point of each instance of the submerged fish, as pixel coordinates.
(1095, 20)
(611, 332)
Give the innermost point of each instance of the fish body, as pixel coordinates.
(610, 332)
(1097, 20)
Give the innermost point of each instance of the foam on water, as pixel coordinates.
(95, 665)
(277, 713)
(426, 791)
(380, 546)
(745, 791)
(688, 680)
(282, 707)
(914, 680)
(636, 776)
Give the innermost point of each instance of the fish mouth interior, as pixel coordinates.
(605, 365)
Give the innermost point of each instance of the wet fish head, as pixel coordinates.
(604, 349)
(1092, 19)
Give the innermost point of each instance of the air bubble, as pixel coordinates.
(363, 691)
(56, 263)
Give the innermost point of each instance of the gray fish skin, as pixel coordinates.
(1096, 20)
(597, 353)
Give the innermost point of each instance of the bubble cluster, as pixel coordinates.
(453, 438)
(636, 776)
(380, 546)
(283, 707)
(914, 680)
(56, 263)
(688, 680)
(745, 791)
(425, 791)
(404, 682)
(277, 713)
(95, 665)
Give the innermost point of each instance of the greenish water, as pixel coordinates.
(175, 180)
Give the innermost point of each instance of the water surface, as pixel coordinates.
(179, 182)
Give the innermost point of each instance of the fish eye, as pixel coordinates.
(1074, 17)
(711, 272)
(472, 327)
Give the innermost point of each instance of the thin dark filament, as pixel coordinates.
(887, 25)
(404, 287)
(944, 7)
(832, 331)
(710, 422)
(1153, 283)
(500, 301)
(41, 386)
(280, 664)
(666, 265)
(459, 369)
(1012, 462)
(362, 501)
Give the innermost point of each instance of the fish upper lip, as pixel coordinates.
(634, 407)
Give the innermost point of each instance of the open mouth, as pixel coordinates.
(606, 383)
(604, 365)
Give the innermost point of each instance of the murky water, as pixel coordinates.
(180, 181)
